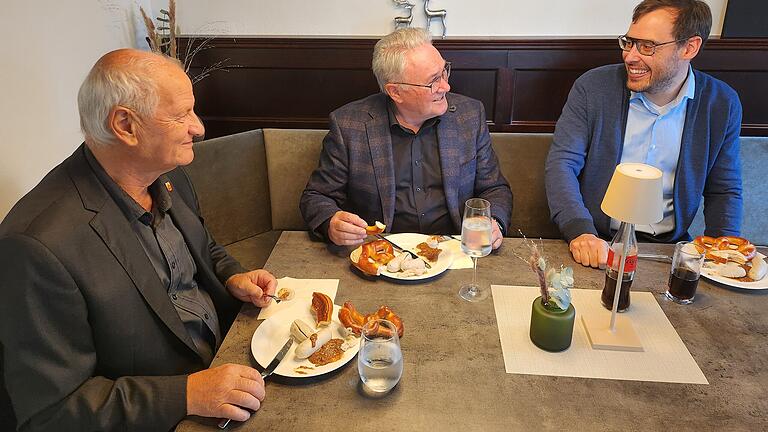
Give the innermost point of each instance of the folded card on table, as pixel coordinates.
(303, 289)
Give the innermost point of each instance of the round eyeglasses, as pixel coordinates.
(435, 83)
(644, 46)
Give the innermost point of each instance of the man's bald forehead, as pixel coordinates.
(136, 61)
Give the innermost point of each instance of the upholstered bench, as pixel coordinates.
(249, 185)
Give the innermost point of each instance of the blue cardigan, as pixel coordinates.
(587, 146)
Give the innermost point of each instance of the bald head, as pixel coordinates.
(124, 77)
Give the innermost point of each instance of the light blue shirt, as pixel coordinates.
(653, 136)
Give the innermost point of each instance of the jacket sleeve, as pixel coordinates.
(51, 375)
(490, 183)
(565, 160)
(723, 206)
(327, 186)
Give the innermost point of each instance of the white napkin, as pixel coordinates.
(460, 259)
(303, 289)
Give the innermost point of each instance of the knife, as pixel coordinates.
(655, 257)
(267, 372)
(399, 249)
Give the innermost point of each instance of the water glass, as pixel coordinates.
(476, 230)
(380, 361)
(684, 273)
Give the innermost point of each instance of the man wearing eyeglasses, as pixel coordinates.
(409, 156)
(653, 109)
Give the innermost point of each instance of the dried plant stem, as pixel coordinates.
(172, 27)
(533, 262)
(162, 40)
(153, 38)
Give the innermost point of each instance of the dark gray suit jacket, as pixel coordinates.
(356, 171)
(91, 339)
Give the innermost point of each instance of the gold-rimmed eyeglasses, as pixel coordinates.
(435, 83)
(644, 46)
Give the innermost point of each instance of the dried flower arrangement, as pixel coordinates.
(162, 40)
(560, 281)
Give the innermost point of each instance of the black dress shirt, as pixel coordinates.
(419, 195)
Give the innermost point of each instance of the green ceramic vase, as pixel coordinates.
(551, 327)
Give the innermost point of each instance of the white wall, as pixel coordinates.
(48, 47)
(374, 17)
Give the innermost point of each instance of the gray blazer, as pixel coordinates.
(356, 171)
(91, 339)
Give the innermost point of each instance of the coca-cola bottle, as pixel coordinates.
(625, 234)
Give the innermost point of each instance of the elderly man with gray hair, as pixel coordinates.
(115, 296)
(409, 156)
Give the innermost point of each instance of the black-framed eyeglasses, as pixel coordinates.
(644, 47)
(435, 83)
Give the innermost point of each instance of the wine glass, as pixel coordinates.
(380, 361)
(476, 242)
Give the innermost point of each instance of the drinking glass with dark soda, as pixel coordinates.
(685, 272)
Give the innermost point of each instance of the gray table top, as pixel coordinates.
(454, 376)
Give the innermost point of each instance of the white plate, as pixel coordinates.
(757, 285)
(409, 241)
(270, 336)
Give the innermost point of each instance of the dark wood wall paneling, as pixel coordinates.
(295, 83)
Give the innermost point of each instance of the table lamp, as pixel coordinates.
(634, 196)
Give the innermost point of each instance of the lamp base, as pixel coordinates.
(601, 337)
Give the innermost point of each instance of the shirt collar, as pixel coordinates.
(158, 190)
(687, 91)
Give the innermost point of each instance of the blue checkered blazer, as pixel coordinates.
(356, 169)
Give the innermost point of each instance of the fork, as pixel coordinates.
(276, 298)
(398, 248)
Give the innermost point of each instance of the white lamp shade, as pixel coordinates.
(635, 194)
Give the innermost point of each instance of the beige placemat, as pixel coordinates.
(665, 359)
(304, 289)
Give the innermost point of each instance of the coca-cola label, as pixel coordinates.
(630, 262)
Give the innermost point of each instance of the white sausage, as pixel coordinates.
(759, 268)
(305, 349)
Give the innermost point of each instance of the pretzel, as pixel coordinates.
(373, 255)
(354, 320)
(737, 243)
(376, 228)
(706, 244)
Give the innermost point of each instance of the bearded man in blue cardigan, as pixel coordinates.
(654, 109)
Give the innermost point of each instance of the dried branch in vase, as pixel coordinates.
(162, 39)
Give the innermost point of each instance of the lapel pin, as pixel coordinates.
(452, 108)
(169, 186)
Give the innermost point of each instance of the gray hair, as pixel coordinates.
(389, 52)
(129, 83)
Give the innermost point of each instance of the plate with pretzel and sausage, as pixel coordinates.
(733, 261)
(379, 258)
(329, 332)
